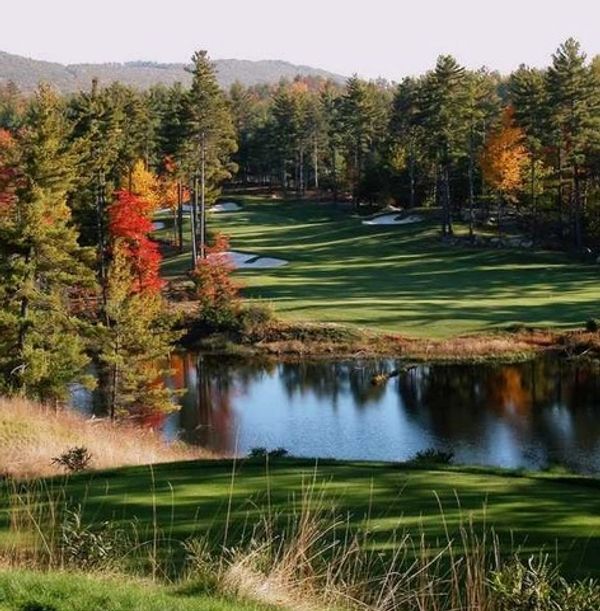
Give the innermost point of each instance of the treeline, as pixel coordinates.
(81, 178)
(480, 146)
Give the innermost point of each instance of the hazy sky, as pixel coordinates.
(372, 37)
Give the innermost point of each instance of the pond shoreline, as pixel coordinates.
(282, 339)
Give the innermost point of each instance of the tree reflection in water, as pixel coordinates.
(526, 414)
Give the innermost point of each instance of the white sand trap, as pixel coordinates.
(248, 260)
(226, 207)
(393, 219)
(158, 225)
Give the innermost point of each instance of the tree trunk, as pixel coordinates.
(411, 171)
(577, 203)
(316, 163)
(471, 190)
(533, 199)
(203, 199)
(180, 215)
(560, 194)
(448, 228)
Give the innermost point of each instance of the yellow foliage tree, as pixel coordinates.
(144, 184)
(504, 156)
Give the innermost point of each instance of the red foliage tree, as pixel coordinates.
(129, 226)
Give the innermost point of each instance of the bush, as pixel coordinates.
(592, 325)
(263, 453)
(74, 460)
(217, 292)
(433, 456)
(535, 586)
(252, 319)
(87, 548)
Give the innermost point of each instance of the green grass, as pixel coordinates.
(57, 591)
(560, 514)
(398, 278)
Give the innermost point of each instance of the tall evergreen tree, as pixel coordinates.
(528, 96)
(210, 133)
(575, 116)
(443, 116)
(42, 267)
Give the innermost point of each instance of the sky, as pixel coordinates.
(388, 38)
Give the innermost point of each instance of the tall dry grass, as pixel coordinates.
(31, 435)
(309, 560)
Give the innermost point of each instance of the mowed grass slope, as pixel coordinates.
(398, 278)
(560, 515)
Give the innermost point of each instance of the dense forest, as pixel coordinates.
(81, 176)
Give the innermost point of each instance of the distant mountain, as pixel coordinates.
(28, 73)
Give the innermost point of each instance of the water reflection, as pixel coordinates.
(531, 414)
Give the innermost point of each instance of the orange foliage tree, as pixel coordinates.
(504, 156)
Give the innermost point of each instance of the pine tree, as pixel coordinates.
(529, 99)
(363, 119)
(210, 135)
(42, 266)
(575, 115)
(443, 116)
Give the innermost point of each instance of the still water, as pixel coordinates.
(533, 415)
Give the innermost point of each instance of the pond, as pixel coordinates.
(533, 415)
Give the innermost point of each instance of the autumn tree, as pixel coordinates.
(216, 290)
(503, 160)
(136, 336)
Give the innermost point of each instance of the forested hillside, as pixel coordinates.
(27, 73)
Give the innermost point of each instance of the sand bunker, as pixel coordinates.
(393, 219)
(248, 260)
(226, 207)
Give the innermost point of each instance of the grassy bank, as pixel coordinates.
(32, 435)
(560, 514)
(341, 536)
(397, 278)
(62, 591)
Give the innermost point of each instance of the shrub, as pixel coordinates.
(74, 460)
(253, 318)
(217, 292)
(592, 325)
(263, 453)
(87, 548)
(535, 586)
(433, 456)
